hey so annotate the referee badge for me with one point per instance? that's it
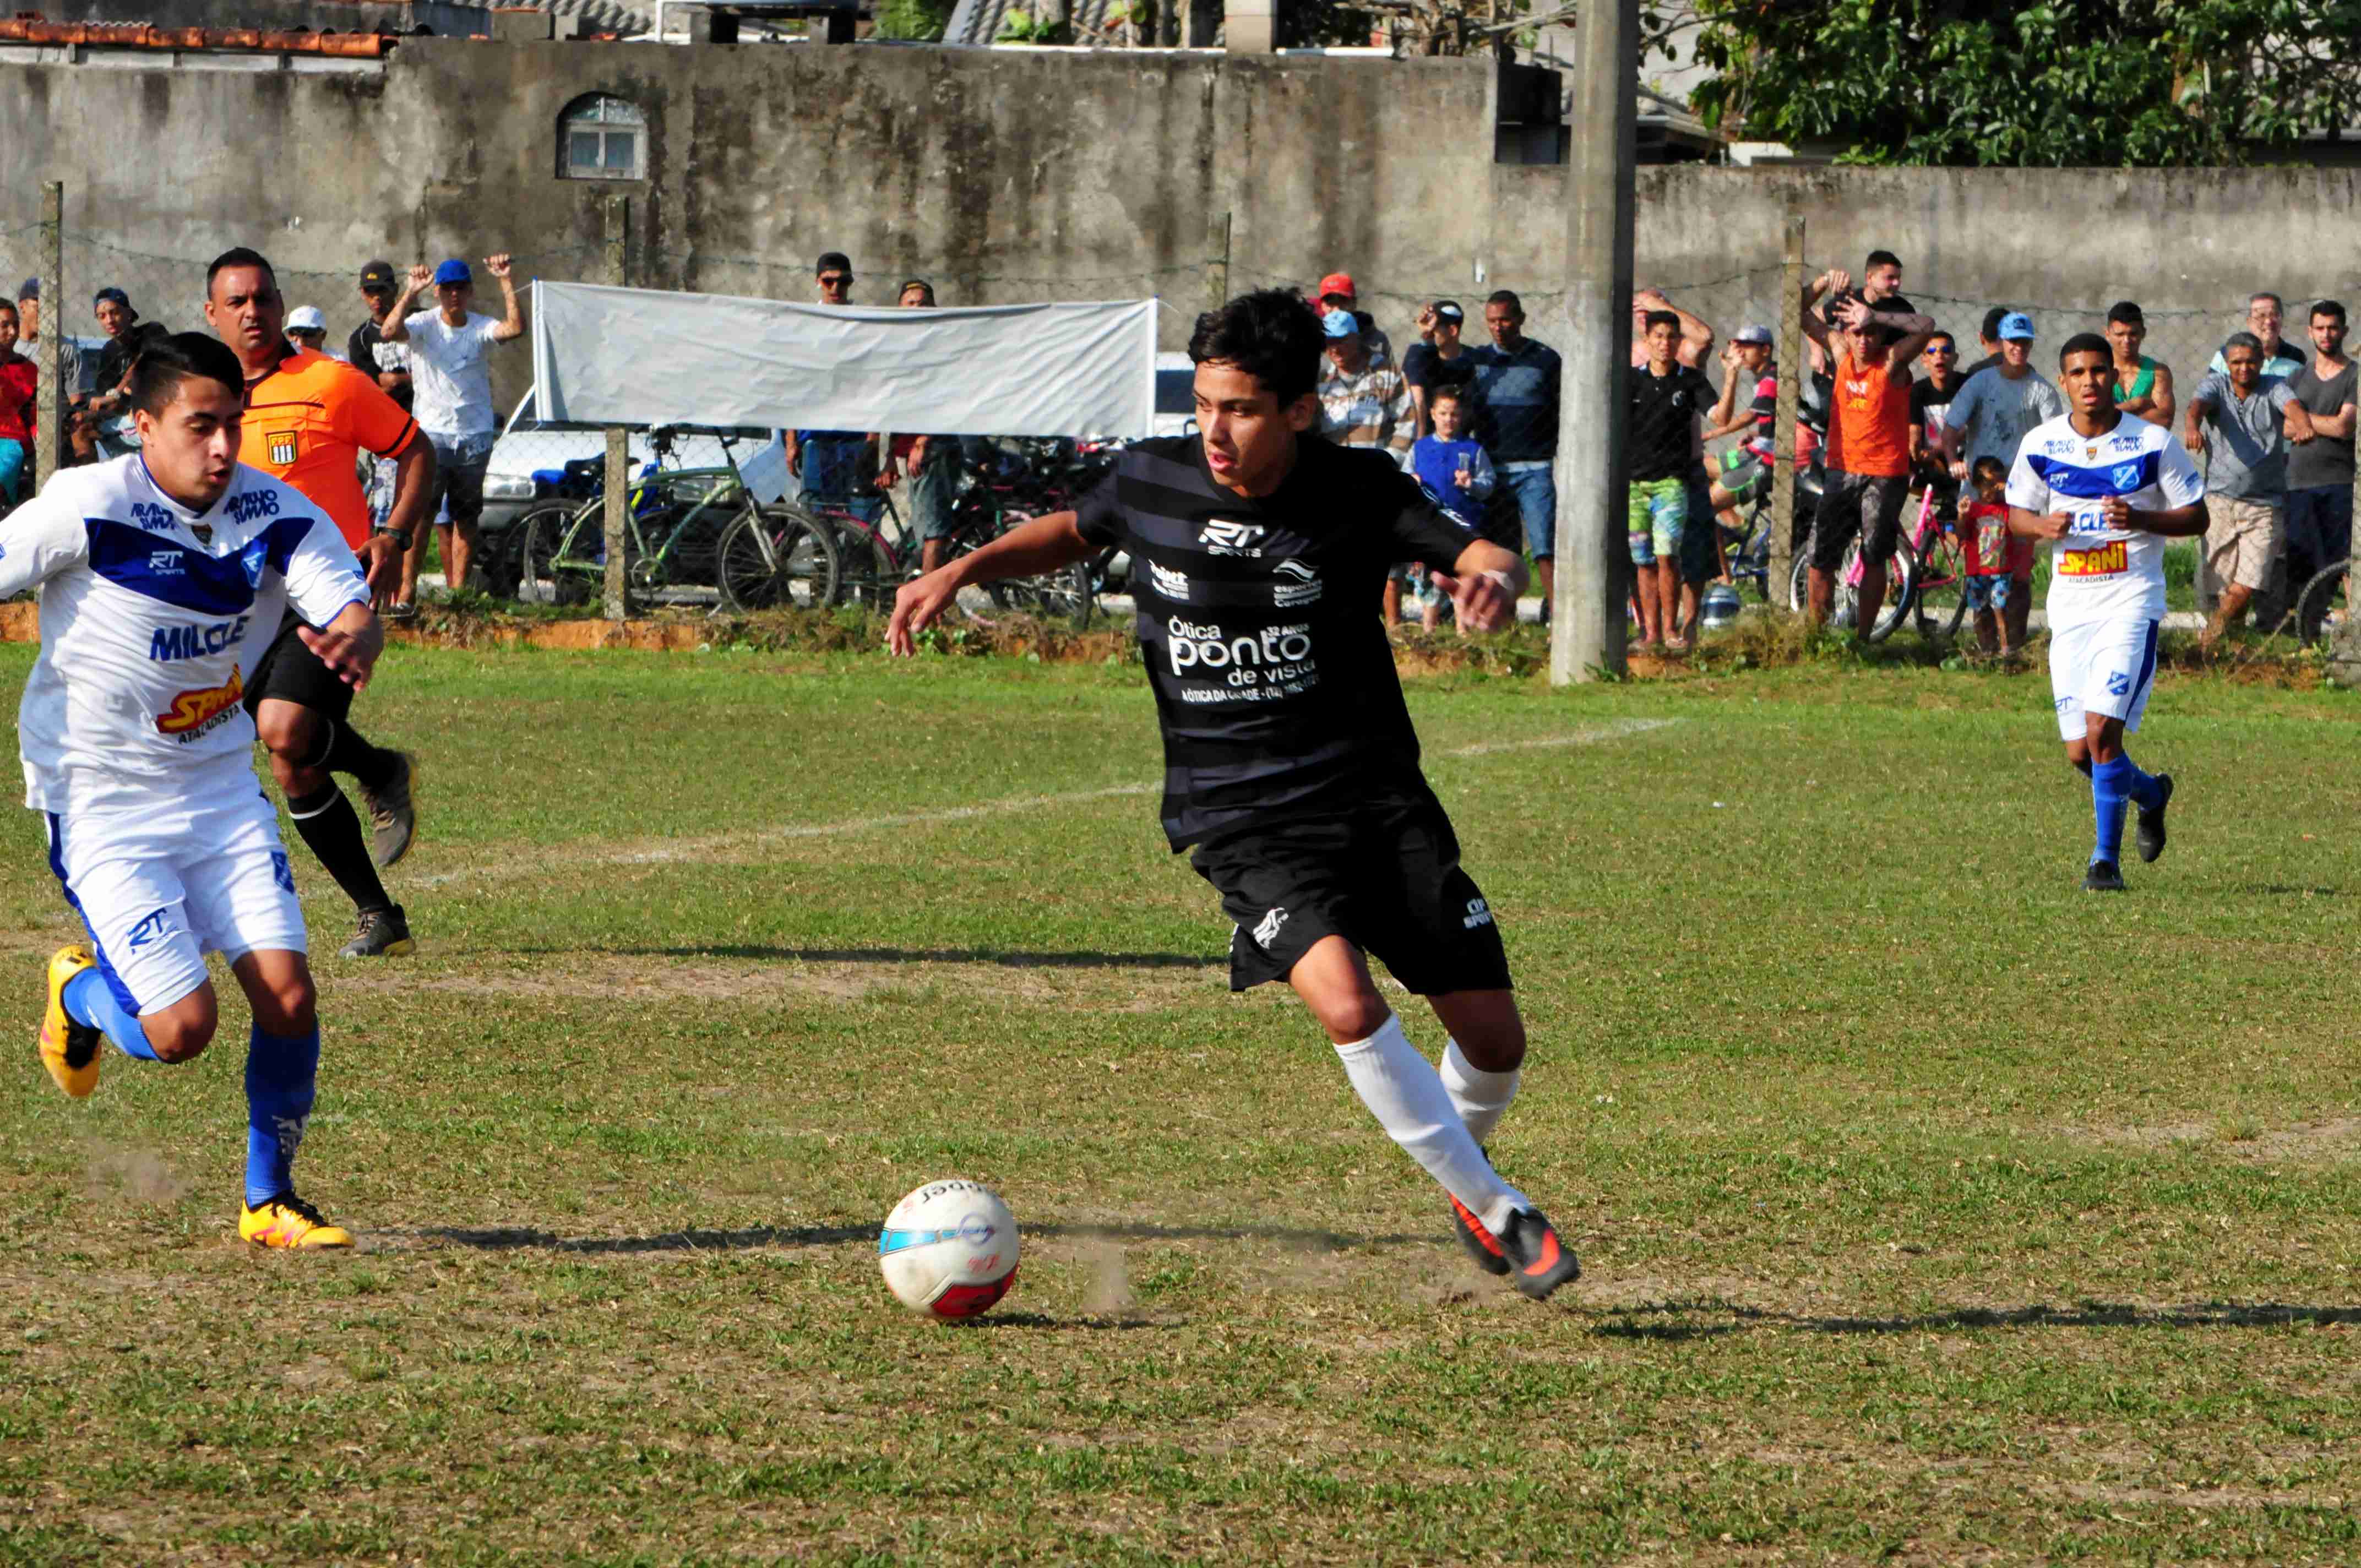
(282, 447)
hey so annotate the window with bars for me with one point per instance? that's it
(603, 137)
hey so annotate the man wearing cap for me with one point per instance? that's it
(1990, 417)
(1745, 469)
(1436, 360)
(452, 388)
(101, 423)
(1336, 293)
(307, 328)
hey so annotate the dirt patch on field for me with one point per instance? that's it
(2337, 1138)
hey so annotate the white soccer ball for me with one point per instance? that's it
(949, 1249)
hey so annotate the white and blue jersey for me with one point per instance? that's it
(2098, 572)
(152, 617)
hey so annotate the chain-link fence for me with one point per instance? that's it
(19, 373)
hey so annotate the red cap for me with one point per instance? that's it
(1338, 283)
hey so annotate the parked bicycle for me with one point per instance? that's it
(1903, 578)
(675, 523)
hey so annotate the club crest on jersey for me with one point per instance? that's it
(193, 713)
(282, 447)
(2125, 475)
(251, 558)
(203, 531)
(1223, 537)
(1172, 585)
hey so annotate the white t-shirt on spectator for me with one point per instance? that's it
(452, 387)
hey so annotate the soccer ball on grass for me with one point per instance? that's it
(949, 1250)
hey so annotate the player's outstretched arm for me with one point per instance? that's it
(1484, 585)
(350, 644)
(1044, 544)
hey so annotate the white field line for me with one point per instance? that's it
(700, 849)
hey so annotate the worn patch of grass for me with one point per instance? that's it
(1933, 1212)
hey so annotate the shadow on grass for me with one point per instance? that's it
(1002, 957)
(1679, 1320)
(519, 1239)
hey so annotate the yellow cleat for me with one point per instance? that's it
(288, 1221)
(68, 1049)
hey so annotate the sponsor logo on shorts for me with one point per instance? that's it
(1223, 537)
(1172, 585)
(1478, 914)
(193, 713)
(154, 927)
(1266, 933)
(282, 872)
(196, 640)
(2105, 561)
(282, 447)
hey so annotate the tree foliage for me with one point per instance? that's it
(2043, 83)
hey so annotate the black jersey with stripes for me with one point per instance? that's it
(1259, 626)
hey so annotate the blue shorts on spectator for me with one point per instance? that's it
(1531, 488)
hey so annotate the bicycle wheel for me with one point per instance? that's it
(774, 561)
(867, 573)
(1063, 594)
(809, 562)
(1799, 579)
(1941, 600)
(547, 572)
(2316, 616)
(1901, 587)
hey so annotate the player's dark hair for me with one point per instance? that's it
(238, 255)
(2125, 311)
(2260, 295)
(1992, 318)
(1271, 334)
(2241, 340)
(2333, 309)
(1880, 259)
(1988, 465)
(1655, 319)
(166, 362)
(1507, 297)
(10, 306)
(2085, 342)
(1939, 335)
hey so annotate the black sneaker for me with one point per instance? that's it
(384, 933)
(2150, 829)
(1540, 1265)
(392, 818)
(2103, 877)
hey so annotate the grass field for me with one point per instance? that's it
(1933, 1211)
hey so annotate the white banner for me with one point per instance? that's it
(608, 356)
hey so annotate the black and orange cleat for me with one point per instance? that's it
(1537, 1264)
(1481, 1244)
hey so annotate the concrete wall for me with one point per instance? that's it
(316, 15)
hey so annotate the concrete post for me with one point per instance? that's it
(2344, 648)
(1791, 354)
(48, 437)
(1587, 628)
(618, 486)
(1250, 26)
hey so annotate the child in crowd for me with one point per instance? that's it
(20, 391)
(1456, 471)
(1984, 541)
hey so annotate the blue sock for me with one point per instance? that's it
(2142, 787)
(281, 1071)
(90, 999)
(2110, 798)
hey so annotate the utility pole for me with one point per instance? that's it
(1588, 625)
(618, 491)
(1217, 263)
(1782, 422)
(49, 437)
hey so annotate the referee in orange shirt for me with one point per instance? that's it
(308, 419)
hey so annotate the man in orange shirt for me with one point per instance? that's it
(1869, 439)
(308, 418)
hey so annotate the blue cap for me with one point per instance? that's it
(453, 271)
(1340, 323)
(2016, 324)
(118, 295)
(29, 290)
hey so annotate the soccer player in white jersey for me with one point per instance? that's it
(2106, 490)
(163, 576)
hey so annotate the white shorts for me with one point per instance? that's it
(160, 889)
(2102, 666)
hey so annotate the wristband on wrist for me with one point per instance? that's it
(401, 537)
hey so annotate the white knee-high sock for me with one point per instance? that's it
(1403, 1092)
(1480, 1097)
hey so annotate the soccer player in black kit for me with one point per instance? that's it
(1291, 770)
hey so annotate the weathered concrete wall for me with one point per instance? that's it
(450, 20)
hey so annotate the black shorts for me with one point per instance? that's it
(1387, 880)
(1866, 504)
(292, 672)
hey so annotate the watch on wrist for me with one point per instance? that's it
(401, 537)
